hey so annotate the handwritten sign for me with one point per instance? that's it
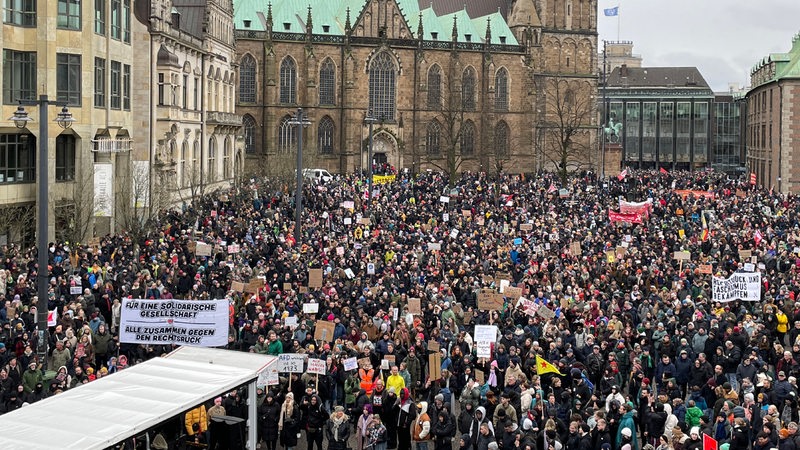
(682, 256)
(705, 268)
(414, 306)
(202, 249)
(433, 346)
(254, 285)
(351, 363)
(545, 313)
(323, 330)
(485, 333)
(526, 227)
(291, 362)
(310, 308)
(739, 286)
(745, 254)
(490, 300)
(512, 292)
(315, 278)
(316, 365)
(237, 286)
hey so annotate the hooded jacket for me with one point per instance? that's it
(422, 426)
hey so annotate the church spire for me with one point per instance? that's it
(420, 29)
(488, 30)
(454, 34)
(269, 16)
(347, 25)
(309, 22)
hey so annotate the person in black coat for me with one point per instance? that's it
(315, 416)
(600, 435)
(289, 423)
(337, 430)
(268, 414)
(443, 431)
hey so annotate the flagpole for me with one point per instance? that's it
(618, 19)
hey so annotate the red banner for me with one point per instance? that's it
(642, 208)
(753, 178)
(709, 443)
(619, 217)
(685, 193)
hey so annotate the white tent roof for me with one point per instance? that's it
(106, 411)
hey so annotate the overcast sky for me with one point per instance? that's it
(722, 38)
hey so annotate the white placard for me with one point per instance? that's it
(103, 190)
(75, 290)
(349, 272)
(201, 323)
(348, 221)
(348, 204)
(370, 268)
(310, 308)
(749, 267)
(453, 234)
(52, 318)
(485, 333)
(384, 364)
(434, 246)
(503, 285)
(741, 286)
(351, 363)
(291, 362)
(483, 349)
(316, 365)
(444, 199)
(446, 217)
(291, 322)
(233, 249)
(340, 251)
(268, 377)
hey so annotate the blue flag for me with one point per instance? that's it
(611, 11)
(589, 384)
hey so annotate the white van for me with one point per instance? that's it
(318, 175)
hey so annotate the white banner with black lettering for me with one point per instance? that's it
(739, 286)
(200, 323)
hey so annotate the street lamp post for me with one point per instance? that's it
(21, 120)
(370, 120)
(300, 121)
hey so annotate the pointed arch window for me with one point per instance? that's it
(212, 159)
(467, 138)
(435, 87)
(183, 170)
(226, 159)
(325, 136)
(327, 83)
(468, 89)
(247, 79)
(501, 138)
(288, 88)
(287, 136)
(433, 137)
(249, 125)
(382, 87)
(501, 90)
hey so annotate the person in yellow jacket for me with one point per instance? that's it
(783, 324)
(197, 423)
(395, 380)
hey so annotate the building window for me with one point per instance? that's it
(19, 76)
(19, 12)
(126, 21)
(501, 135)
(68, 78)
(100, 17)
(382, 87)
(65, 157)
(631, 130)
(683, 119)
(467, 138)
(249, 125)
(432, 136)
(501, 90)
(196, 93)
(288, 88)
(194, 177)
(327, 83)
(325, 136)
(116, 85)
(247, 79)
(184, 175)
(69, 14)
(185, 92)
(287, 136)
(212, 159)
(435, 87)
(468, 89)
(126, 87)
(17, 158)
(116, 19)
(226, 159)
(99, 83)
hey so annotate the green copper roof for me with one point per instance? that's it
(787, 65)
(290, 16)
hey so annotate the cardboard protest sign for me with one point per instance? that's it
(433, 346)
(303, 289)
(414, 306)
(287, 286)
(466, 213)
(435, 366)
(479, 376)
(745, 254)
(682, 256)
(254, 285)
(364, 362)
(365, 221)
(705, 268)
(526, 227)
(575, 248)
(490, 300)
(512, 292)
(237, 286)
(203, 249)
(315, 278)
(545, 313)
(323, 330)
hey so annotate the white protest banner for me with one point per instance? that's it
(52, 318)
(290, 322)
(739, 286)
(310, 308)
(348, 204)
(370, 268)
(103, 189)
(291, 362)
(351, 363)
(75, 290)
(434, 246)
(444, 199)
(233, 249)
(268, 377)
(485, 333)
(316, 365)
(202, 323)
(483, 349)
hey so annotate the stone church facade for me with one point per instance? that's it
(464, 88)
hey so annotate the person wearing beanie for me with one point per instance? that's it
(337, 429)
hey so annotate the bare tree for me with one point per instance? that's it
(15, 220)
(140, 199)
(74, 216)
(567, 125)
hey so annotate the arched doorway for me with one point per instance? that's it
(384, 150)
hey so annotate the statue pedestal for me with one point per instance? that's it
(613, 159)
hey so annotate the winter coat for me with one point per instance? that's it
(422, 425)
(290, 426)
(337, 430)
(269, 414)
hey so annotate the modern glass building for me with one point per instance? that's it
(726, 129)
(665, 114)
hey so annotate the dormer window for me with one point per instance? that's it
(502, 39)
(468, 37)
(434, 35)
(287, 26)
(247, 23)
(326, 28)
